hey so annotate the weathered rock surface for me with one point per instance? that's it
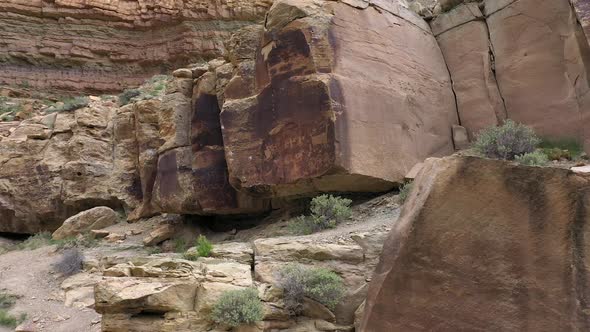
(93, 219)
(463, 38)
(486, 245)
(105, 45)
(542, 73)
(56, 166)
(331, 109)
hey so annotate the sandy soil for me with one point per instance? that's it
(29, 275)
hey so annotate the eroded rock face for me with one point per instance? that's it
(104, 45)
(55, 166)
(479, 244)
(522, 60)
(331, 109)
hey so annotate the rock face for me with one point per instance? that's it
(524, 60)
(93, 219)
(105, 45)
(55, 166)
(479, 245)
(330, 109)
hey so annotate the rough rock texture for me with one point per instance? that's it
(464, 40)
(104, 45)
(55, 166)
(93, 219)
(526, 60)
(167, 294)
(486, 245)
(543, 72)
(331, 109)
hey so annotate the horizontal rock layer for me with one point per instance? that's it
(101, 46)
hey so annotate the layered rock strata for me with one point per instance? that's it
(101, 45)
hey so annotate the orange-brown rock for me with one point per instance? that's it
(541, 62)
(463, 38)
(348, 96)
(109, 45)
(486, 245)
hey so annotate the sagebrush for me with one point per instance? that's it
(238, 307)
(327, 211)
(319, 284)
(507, 141)
(70, 262)
(404, 191)
(537, 158)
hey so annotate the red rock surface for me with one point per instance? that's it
(331, 108)
(102, 45)
(485, 245)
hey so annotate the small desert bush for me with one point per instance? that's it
(9, 320)
(557, 149)
(203, 249)
(85, 240)
(36, 241)
(127, 96)
(7, 301)
(68, 104)
(327, 211)
(238, 307)
(404, 191)
(507, 141)
(70, 262)
(537, 158)
(180, 245)
(319, 284)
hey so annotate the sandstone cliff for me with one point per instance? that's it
(319, 96)
(100, 45)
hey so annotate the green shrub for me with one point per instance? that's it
(127, 95)
(319, 284)
(180, 245)
(327, 211)
(68, 104)
(204, 247)
(506, 141)
(404, 191)
(238, 307)
(7, 301)
(557, 149)
(537, 158)
(36, 241)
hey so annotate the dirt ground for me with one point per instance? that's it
(29, 274)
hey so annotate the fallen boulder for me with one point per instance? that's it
(94, 219)
(486, 245)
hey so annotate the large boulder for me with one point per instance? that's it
(93, 219)
(486, 245)
(348, 96)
